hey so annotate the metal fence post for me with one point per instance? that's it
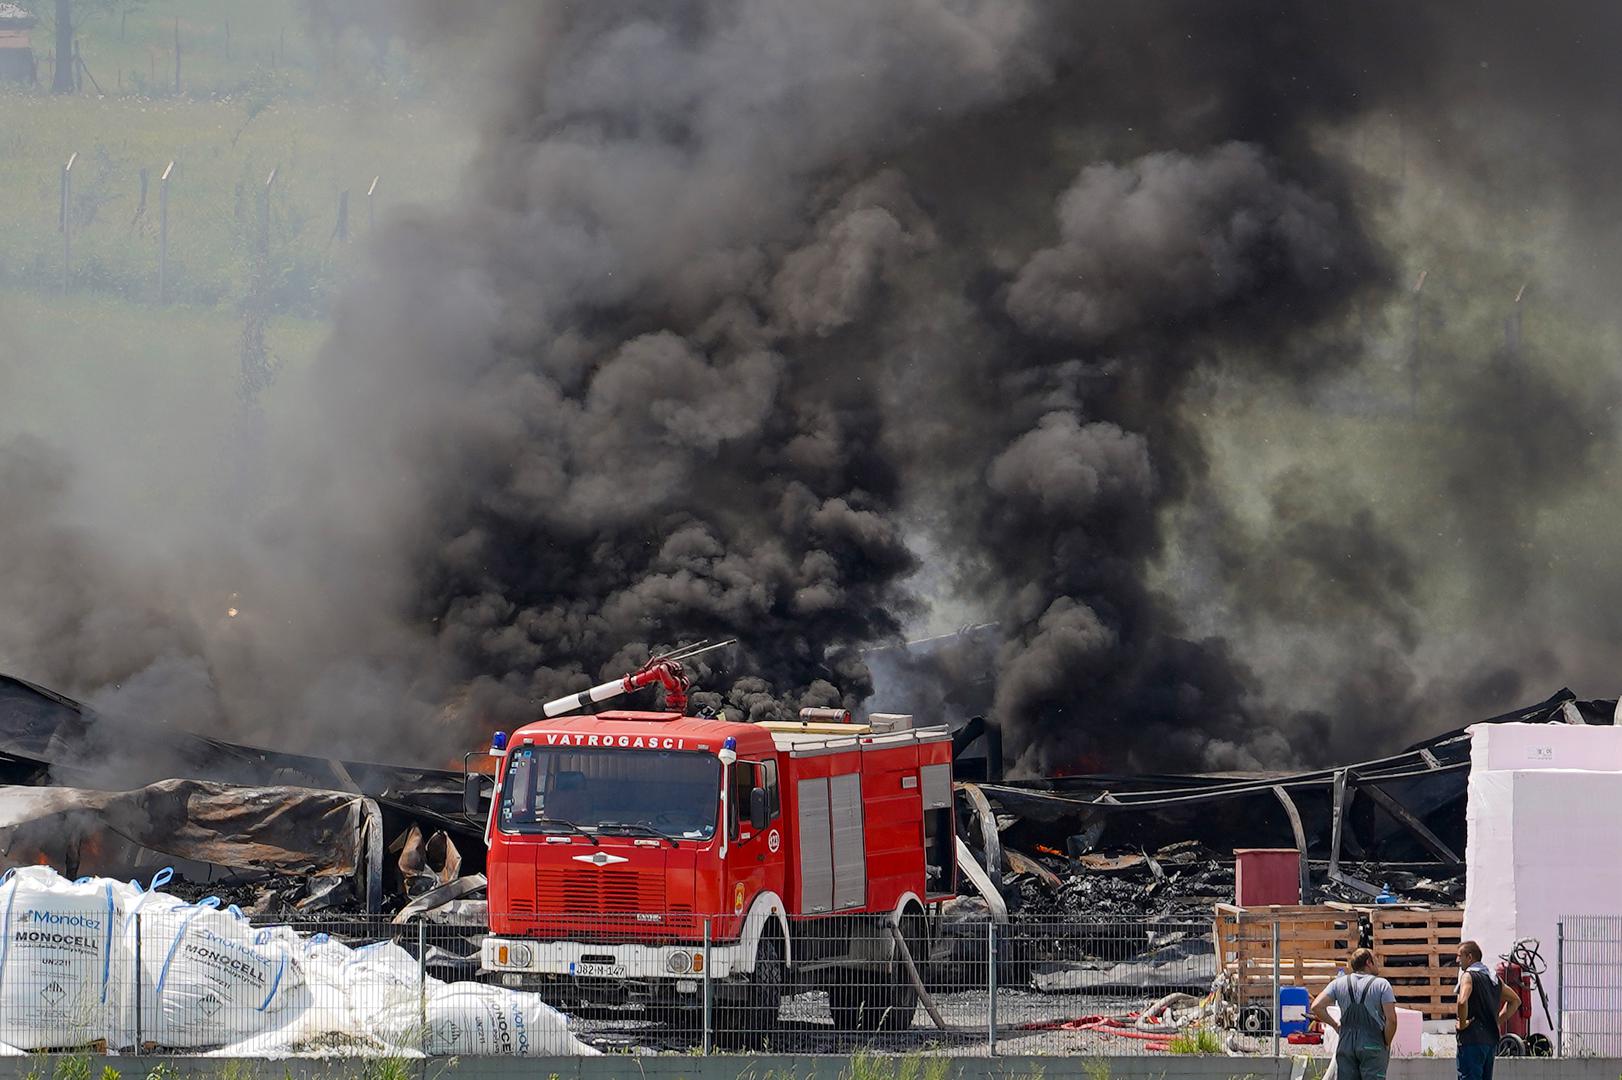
(67, 219)
(422, 984)
(708, 1003)
(138, 1031)
(1275, 988)
(991, 988)
(163, 233)
(264, 215)
(1559, 986)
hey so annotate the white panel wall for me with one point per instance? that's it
(1545, 835)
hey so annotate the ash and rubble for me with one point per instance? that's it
(1177, 882)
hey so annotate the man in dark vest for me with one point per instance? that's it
(1368, 1019)
(1484, 1007)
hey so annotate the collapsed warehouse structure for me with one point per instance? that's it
(1104, 884)
(94, 794)
(268, 830)
(1396, 821)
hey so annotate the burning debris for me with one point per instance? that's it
(1160, 846)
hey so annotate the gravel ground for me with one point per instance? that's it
(807, 1028)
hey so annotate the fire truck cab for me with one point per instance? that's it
(620, 843)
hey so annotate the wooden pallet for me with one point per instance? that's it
(1313, 944)
(1413, 949)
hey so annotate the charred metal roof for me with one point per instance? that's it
(1411, 805)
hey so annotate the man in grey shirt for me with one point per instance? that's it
(1368, 1019)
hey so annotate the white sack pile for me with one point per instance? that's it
(209, 981)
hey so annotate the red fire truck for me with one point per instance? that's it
(618, 841)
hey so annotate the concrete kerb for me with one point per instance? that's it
(780, 1067)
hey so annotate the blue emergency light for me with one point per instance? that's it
(731, 743)
(498, 741)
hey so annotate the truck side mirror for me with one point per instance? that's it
(760, 811)
(472, 794)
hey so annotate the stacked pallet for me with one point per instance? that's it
(1313, 944)
(1413, 948)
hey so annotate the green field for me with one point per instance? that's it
(324, 119)
(219, 176)
(130, 46)
(328, 112)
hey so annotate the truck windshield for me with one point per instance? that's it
(549, 789)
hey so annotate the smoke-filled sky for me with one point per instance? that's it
(823, 324)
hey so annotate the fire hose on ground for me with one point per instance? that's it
(1155, 1026)
(1120, 1026)
(912, 974)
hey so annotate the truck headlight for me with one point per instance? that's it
(678, 963)
(521, 955)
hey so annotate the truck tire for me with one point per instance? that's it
(749, 1019)
(766, 984)
(857, 1000)
(881, 998)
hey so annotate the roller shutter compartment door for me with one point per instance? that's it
(816, 852)
(849, 846)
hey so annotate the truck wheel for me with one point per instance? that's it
(856, 1000)
(766, 984)
(903, 1002)
(749, 1017)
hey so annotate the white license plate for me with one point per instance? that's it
(597, 971)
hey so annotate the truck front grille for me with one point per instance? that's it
(606, 889)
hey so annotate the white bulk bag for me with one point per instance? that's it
(207, 977)
(471, 1018)
(57, 958)
(390, 1000)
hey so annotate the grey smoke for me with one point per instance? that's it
(1171, 237)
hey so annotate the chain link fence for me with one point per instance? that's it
(190, 978)
(1588, 980)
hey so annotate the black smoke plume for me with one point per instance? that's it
(799, 322)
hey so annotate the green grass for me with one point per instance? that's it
(317, 150)
(1196, 1041)
(865, 1066)
(72, 1067)
(387, 1068)
(129, 47)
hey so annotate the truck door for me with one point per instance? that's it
(755, 861)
